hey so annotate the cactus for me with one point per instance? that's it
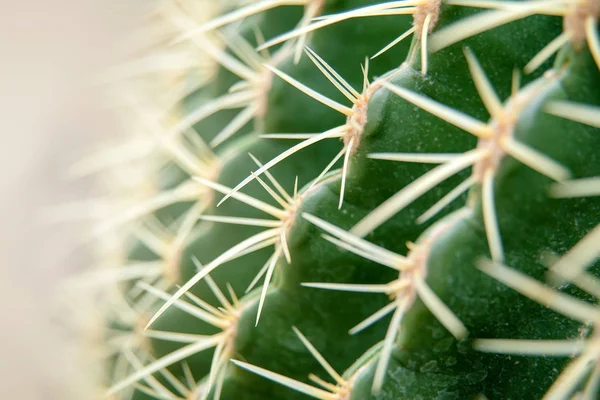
(443, 246)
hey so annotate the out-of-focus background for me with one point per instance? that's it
(52, 113)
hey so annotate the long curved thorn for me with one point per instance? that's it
(414, 190)
(332, 133)
(244, 198)
(226, 256)
(386, 351)
(527, 286)
(347, 111)
(345, 168)
(536, 160)
(558, 348)
(593, 39)
(548, 51)
(373, 318)
(441, 310)
(395, 42)
(398, 7)
(484, 87)
(239, 14)
(490, 217)
(285, 381)
(352, 239)
(340, 83)
(378, 257)
(164, 362)
(571, 376)
(315, 353)
(475, 24)
(268, 276)
(448, 114)
(586, 114)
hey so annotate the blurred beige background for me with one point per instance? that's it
(50, 50)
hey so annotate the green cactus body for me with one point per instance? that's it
(403, 226)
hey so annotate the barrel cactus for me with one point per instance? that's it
(350, 199)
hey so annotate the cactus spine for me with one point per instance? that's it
(444, 246)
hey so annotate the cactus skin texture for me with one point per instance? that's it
(450, 249)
